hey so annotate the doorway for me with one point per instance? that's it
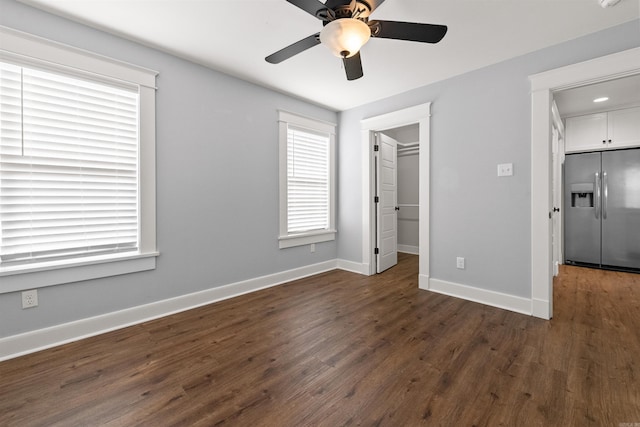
(543, 85)
(420, 116)
(594, 113)
(396, 159)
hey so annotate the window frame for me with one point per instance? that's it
(29, 50)
(286, 239)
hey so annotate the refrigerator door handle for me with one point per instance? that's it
(605, 195)
(597, 184)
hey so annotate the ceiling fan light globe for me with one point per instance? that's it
(344, 37)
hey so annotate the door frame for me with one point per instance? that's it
(543, 85)
(421, 115)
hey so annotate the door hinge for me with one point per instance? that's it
(376, 148)
(376, 251)
(376, 199)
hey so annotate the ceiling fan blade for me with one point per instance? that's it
(425, 33)
(310, 6)
(294, 49)
(353, 67)
(333, 4)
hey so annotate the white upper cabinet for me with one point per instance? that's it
(624, 128)
(603, 131)
(584, 133)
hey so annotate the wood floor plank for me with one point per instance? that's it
(341, 349)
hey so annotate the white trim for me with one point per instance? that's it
(409, 249)
(542, 86)
(423, 281)
(557, 120)
(66, 58)
(307, 122)
(354, 267)
(541, 200)
(418, 114)
(306, 238)
(54, 273)
(540, 308)
(596, 70)
(147, 170)
(29, 342)
(483, 296)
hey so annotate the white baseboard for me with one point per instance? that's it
(540, 308)
(29, 342)
(483, 296)
(409, 249)
(354, 267)
(423, 281)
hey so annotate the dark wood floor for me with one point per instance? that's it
(340, 349)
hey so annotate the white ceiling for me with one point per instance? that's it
(622, 92)
(234, 36)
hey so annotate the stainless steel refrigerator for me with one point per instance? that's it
(602, 209)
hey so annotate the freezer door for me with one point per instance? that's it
(582, 198)
(621, 208)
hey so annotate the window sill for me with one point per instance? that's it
(306, 238)
(32, 276)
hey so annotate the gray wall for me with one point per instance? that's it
(217, 183)
(479, 119)
(408, 216)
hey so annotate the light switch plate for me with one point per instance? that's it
(505, 169)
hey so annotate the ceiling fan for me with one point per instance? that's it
(346, 28)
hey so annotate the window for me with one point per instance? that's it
(68, 167)
(77, 174)
(307, 180)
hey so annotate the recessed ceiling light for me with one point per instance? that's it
(604, 98)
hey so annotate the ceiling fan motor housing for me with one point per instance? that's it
(337, 10)
(345, 36)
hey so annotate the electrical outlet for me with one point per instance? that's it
(30, 298)
(460, 263)
(505, 169)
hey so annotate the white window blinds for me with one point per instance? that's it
(307, 180)
(68, 166)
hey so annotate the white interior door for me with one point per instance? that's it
(386, 207)
(554, 186)
(560, 192)
(557, 157)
